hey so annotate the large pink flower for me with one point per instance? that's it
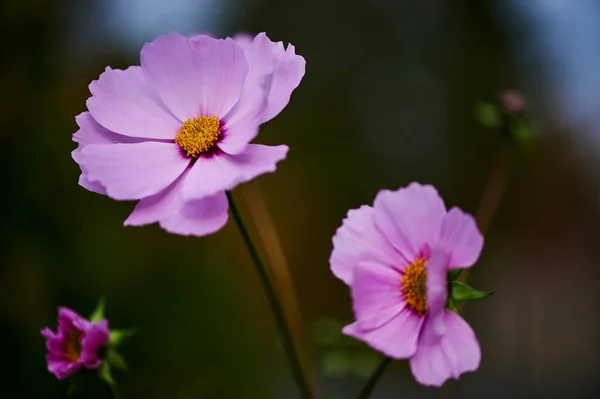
(395, 257)
(75, 344)
(174, 132)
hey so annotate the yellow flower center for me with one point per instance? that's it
(198, 135)
(73, 346)
(413, 285)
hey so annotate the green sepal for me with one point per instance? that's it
(451, 306)
(488, 115)
(460, 292)
(105, 374)
(454, 274)
(117, 337)
(98, 313)
(115, 359)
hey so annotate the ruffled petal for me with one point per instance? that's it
(133, 171)
(201, 76)
(461, 238)
(222, 172)
(397, 338)
(376, 294)
(437, 289)
(55, 342)
(438, 359)
(96, 337)
(61, 367)
(177, 216)
(359, 240)
(411, 218)
(123, 102)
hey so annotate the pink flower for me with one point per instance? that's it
(174, 133)
(75, 344)
(394, 256)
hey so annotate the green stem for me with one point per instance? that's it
(284, 329)
(372, 381)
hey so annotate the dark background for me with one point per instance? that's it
(387, 99)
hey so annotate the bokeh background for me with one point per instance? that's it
(387, 99)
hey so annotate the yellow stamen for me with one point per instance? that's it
(73, 346)
(413, 286)
(198, 135)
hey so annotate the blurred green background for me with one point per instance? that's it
(387, 99)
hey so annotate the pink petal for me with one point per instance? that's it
(411, 218)
(123, 102)
(289, 71)
(437, 289)
(376, 294)
(456, 352)
(197, 76)
(90, 132)
(461, 238)
(61, 367)
(55, 342)
(96, 337)
(133, 171)
(223, 172)
(359, 240)
(397, 338)
(175, 215)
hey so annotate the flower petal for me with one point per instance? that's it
(461, 238)
(175, 215)
(201, 76)
(376, 294)
(55, 342)
(397, 338)
(359, 240)
(289, 70)
(223, 172)
(61, 367)
(411, 218)
(455, 353)
(437, 289)
(133, 171)
(123, 102)
(96, 337)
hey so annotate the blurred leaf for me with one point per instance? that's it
(460, 292)
(326, 331)
(364, 363)
(454, 274)
(336, 363)
(522, 132)
(105, 374)
(115, 359)
(488, 115)
(98, 313)
(117, 337)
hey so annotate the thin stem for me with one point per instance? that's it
(280, 320)
(372, 381)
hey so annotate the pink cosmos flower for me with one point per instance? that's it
(394, 256)
(75, 344)
(174, 133)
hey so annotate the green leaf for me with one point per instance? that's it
(98, 313)
(451, 305)
(117, 337)
(488, 115)
(460, 292)
(454, 274)
(336, 363)
(521, 132)
(115, 359)
(105, 375)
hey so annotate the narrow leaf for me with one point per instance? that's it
(117, 337)
(464, 293)
(98, 313)
(115, 359)
(454, 274)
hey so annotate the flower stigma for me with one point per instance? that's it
(413, 286)
(73, 345)
(198, 135)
